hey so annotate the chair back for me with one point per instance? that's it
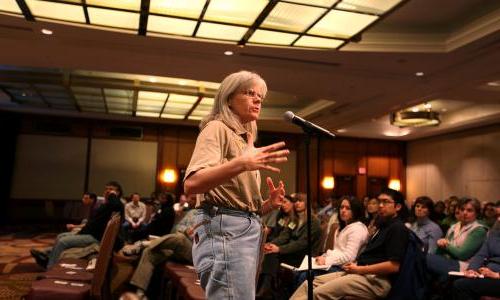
(100, 287)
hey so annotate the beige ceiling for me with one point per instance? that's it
(456, 45)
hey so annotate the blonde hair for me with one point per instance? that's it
(221, 111)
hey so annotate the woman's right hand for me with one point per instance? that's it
(320, 260)
(260, 158)
(442, 243)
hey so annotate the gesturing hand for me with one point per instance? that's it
(260, 158)
(276, 194)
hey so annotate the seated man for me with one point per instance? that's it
(176, 245)
(90, 205)
(369, 277)
(92, 231)
(135, 214)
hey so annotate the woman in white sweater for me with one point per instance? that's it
(350, 238)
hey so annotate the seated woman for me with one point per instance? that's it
(350, 237)
(290, 246)
(462, 241)
(427, 230)
(371, 215)
(482, 275)
(276, 222)
(450, 219)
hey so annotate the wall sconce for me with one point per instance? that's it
(395, 184)
(328, 183)
(168, 176)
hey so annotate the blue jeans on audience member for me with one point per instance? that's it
(439, 266)
(225, 253)
(69, 241)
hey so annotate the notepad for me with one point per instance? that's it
(454, 273)
(303, 266)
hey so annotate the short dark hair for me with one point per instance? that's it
(91, 196)
(395, 195)
(474, 202)
(117, 186)
(425, 201)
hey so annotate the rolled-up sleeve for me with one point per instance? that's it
(209, 148)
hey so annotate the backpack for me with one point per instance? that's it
(411, 282)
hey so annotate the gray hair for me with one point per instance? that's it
(221, 111)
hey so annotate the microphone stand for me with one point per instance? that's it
(307, 141)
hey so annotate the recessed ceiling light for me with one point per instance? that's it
(444, 110)
(152, 79)
(427, 106)
(182, 82)
(228, 53)
(23, 94)
(341, 130)
(419, 74)
(47, 31)
(494, 83)
(415, 109)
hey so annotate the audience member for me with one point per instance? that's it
(135, 215)
(348, 239)
(90, 233)
(439, 211)
(461, 242)
(421, 223)
(489, 215)
(450, 218)
(89, 207)
(279, 219)
(369, 277)
(176, 246)
(482, 277)
(371, 213)
(164, 217)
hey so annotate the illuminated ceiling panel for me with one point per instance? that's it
(221, 32)
(272, 37)
(122, 4)
(342, 24)
(324, 3)
(183, 8)
(10, 6)
(171, 25)
(147, 114)
(173, 116)
(316, 42)
(58, 11)
(151, 101)
(242, 12)
(292, 17)
(368, 6)
(113, 18)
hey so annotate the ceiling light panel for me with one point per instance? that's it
(173, 116)
(242, 12)
(147, 114)
(196, 118)
(92, 109)
(342, 24)
(292, 17)
(120, 112)
(10, 6)
(323, 3)
(221, 32)
(119, 93)
(368, 6)
(171, 25)
(183, 8)
(58, 11)
(86, 90)
(92, 98)
(316, 42)
(122, 4)
(113, 18)
(272, 37)
(151, 101)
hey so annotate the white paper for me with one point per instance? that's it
(303, 266)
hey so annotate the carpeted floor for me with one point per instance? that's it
(17, 268)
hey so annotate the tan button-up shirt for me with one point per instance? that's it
(216, 144)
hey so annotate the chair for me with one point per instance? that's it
(65, 286)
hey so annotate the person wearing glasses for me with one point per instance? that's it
(378, 264)
(224, 172)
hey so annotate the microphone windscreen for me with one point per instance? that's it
(288, 116)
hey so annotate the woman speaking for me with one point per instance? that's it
(224, 172)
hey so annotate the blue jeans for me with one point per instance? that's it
(69, 241)
(225, 253)
(439, 266)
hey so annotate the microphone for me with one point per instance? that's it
(307, 126)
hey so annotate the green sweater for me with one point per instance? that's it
(470, 246)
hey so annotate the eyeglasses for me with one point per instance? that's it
(253, 94)
(384, 201)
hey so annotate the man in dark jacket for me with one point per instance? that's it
(92, 231)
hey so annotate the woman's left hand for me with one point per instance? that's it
(352, 268)
(276, 194)
(488, 273)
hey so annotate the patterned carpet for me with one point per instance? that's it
(17, 268)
